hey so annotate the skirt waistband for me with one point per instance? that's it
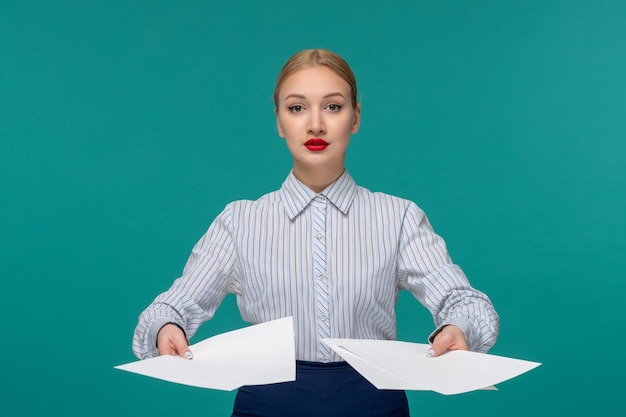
(308, 365)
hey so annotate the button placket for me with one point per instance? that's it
(319, 264)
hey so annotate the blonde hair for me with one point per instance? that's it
(311, 58)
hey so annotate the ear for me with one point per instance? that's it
(357, 118)
(281, 131)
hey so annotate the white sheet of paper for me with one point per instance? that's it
(402, 365)
(259, 354)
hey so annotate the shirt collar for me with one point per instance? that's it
(296, 196)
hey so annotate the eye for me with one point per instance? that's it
(334, 107)
(296, 108)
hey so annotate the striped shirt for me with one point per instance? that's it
(335, 261)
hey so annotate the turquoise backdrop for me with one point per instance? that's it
(126, 126)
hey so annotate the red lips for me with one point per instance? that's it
(316, 144)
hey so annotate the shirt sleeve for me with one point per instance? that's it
(208, 276)
(426, 270)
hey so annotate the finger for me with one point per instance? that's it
(182, 348)
(440, 344)
(438, 348)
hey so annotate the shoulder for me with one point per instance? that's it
(265, 202)
(380, 199)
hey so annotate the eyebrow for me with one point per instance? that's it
(300, 96)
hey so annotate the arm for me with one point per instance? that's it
(194, 297)
(458, 309)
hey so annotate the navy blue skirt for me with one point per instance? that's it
(328, 390)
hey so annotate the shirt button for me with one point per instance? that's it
(325, 360)
(319, 235)
(321, 277)
(323, 317)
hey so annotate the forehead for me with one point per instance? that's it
(312, 81)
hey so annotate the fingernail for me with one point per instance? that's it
(430, 353)
(188, 355)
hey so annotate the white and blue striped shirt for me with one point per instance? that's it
(335, 261)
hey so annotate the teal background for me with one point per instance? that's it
(126, 126)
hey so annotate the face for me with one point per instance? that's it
(315, 116)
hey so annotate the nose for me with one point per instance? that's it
(316, 124)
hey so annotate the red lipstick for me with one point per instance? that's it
(316, 144)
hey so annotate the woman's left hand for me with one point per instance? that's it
(449, 338)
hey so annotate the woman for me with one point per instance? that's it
(321, 249)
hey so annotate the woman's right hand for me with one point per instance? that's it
(171, 340)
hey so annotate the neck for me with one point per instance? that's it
(316, 179)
